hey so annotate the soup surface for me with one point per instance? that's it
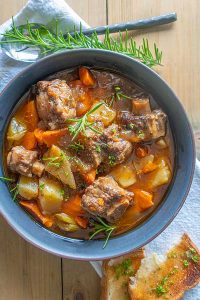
(89, 154)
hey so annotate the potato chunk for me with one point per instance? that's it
(124, 174)
(161, 144)
(50, 195)
(104, 113)
(160, 176)
(28, 187)
(57, 164)
(16, 130)
(66, 223)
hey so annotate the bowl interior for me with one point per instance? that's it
(184, 155)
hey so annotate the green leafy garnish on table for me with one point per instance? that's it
(102, 227)
(41, 36)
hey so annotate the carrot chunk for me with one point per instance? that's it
(72, 206)
(84, 104)
(33, 208)
(141, 151)
(90, 176)
(143, 199)
(49, 137)
(29, 141)
(39, 135)
(31, 115)
(149, 167)
(82, 222)
(86, 77)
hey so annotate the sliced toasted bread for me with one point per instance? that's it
(170, 279)
(116, 273)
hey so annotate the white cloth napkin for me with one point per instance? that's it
(188, 219)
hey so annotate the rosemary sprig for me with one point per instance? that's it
(15, 192)
(101, 226)
(6, 179)
(83, 123)
(40, 36)
(117, 95)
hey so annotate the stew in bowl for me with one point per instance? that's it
(89, 154)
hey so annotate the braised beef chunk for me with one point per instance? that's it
(141, 106)
(106, 199)
(24, 162)
(55, 103)
(114, 149)
(145, 127)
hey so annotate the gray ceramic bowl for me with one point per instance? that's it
(184, 155)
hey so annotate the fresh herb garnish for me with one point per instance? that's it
(117, 95)
(98, 148)
(83, 123)
(185, 263)
(15, 192)
(40, 36)
(62, 192)
(161, 287)
(111, 160)
(160, 290)
(124, 268)
(55, 161)
(140, 134)
(191, 254)
(6, 179)
(102, 227)
(132, 126)
(77, 146)
(41, 186)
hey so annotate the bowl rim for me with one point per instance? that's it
(38, 243)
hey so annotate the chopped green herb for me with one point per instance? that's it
(192, 250)
(62, 192)
(111, 160)
(195, 259)
(124, 268)
(41, 186)
(98, 148)
(132, 126)
(77, 146)
(114, 131)
(116, 95)
(185, 263)
(140, 134)
(190, 255)
(160, 290)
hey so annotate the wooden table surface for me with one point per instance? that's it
(28, 273)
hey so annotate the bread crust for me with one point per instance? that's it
(110, 285)
(187, 275)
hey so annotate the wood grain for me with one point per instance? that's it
(180, 44)
(80, 281)
(26, 272)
